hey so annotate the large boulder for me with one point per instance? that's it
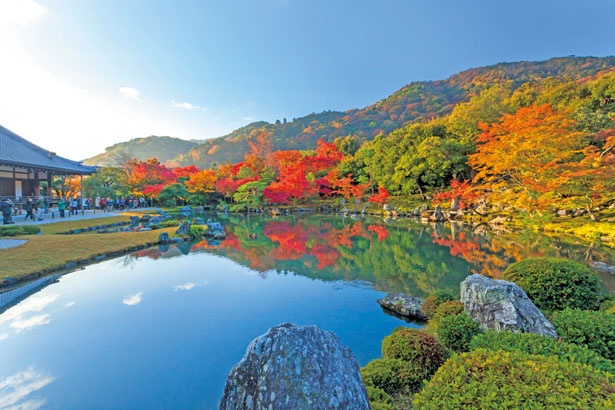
(295, 367)
(501, 305)
(404, 305)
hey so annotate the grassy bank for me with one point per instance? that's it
(43, 254)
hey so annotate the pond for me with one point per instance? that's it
(162, 327)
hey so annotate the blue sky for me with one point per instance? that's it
(79, 75)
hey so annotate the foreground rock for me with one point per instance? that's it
(295, 367)
(501, 305)
(404, 305)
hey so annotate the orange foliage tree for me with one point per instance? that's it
(520, 158)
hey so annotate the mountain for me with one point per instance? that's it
(415, 102)
(163, 148)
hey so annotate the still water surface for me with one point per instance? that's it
(161, 328)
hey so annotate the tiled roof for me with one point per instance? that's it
(14, 150)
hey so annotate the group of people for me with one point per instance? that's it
(37, 208)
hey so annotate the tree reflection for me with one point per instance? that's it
(398, 256)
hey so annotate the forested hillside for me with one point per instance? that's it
(417, 102)
(163, 148)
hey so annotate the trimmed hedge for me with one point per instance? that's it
(450, 308)
(379, 399)
(596, 330)
(456, 332)
(556, 284)
(392, 376)
(19, 230)
(414, 346)
(433, 301)
(531, 343)
(488, 379)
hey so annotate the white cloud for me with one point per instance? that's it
(19, 315)
(20, 12)
(15, 389)
(130, 92)
(189, 286)
(185, 286)
(187, 106)
(248, 118)
(69, 304)
(133, 299)
(21, 325)
(4, 336)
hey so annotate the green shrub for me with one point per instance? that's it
(531, 343)
(379, 399)
(169, 223)
(450, 308)
(596, 330)
(485, 379)
(196, 231)
(456, 332)
(19, 230)
(556, 284)
(391, 375)
(434, 300)
(416, 347)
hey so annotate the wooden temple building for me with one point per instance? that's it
(23, 165)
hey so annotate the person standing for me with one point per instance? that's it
(40, 207)
(7, 211)
(62, 207)
(29, 207)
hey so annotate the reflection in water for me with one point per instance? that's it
(15, 389)
(391, 255)
(27, 314)
(133, 299)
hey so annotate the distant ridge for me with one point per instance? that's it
(415, 102)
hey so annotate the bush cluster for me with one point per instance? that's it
(410, 357)
(488, 379)
(556, 284)
(391, 375)
(196, 231)
(414, 346)
(531, 343)
(456, 331)
(431, 303)
(19, 230)
(596, 330)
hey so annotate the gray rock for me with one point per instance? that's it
(404, 305)
(438, 216)
(387, 207)
(183, 228)
(295, 367)
(602, 267)
(164, 238)
(455, 204)
(501, 305)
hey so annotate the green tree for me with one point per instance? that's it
(172, 193)
(106, 182)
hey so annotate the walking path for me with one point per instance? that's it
(53, 216)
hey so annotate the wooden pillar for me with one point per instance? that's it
(49, 191)
(37, 184)
(81, 189)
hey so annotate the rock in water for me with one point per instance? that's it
(404, 305)
(295, 367)
(183, 228)
(501, 305)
